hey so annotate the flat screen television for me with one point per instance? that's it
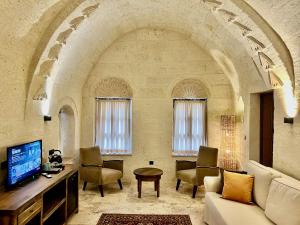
(23, 162)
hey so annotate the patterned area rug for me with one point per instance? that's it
(139, 219)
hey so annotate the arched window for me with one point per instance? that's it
(189, 117)
(113, 126)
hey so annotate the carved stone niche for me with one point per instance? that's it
(63, 36)
(113, 87)
(274, 80)
(265, 61)
(190, 88)
(255, 44)
(245, 30)
(46, 68)
(75, 23)
(89, 10)
(227, 15)
(54, 51)
(41, 93)
(213, 4)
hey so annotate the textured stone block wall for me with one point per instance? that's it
(152, 62)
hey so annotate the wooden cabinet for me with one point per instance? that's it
(30, 213)
(43, 201)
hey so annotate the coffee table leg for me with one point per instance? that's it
(139, 188)
(155, 185)
(158, 187)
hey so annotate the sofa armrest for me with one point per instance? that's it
(113, 164)
(185, 165)
(212, 184)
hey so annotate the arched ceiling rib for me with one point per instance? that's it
(264, 44)
(94, 33)
(61, 9)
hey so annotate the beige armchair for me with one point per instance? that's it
(194, 172)
(94, 170)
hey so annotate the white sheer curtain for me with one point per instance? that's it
(113, 126)
(189, 130)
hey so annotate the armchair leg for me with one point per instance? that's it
(120, 184)
(84, 185)
(195, 191)
(101, 190)
(178, 183)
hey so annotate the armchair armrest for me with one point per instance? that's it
(203, 171)
(212, 184)
(113, 164)
(210, 167)
(86, 165)
(91, 173)
(185, 165)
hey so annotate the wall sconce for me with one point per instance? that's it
(47, 118)
(289, 120)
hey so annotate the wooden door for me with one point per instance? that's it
(266, 128)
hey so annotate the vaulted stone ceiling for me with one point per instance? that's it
(40, 23)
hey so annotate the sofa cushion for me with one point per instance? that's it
(283, 203)
(220, 190)
(219, 211)
(262, 181)
(187, 175)
(238, 187)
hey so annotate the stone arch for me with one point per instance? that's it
(190, 88)
(63, 68)
(68, 101)
(67, 131)
(67, 109)
(113, 87)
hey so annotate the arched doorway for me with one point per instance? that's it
(67, 132)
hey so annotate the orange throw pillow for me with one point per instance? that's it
(238, 187)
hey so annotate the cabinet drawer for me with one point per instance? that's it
(30, 212)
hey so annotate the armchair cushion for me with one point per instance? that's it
(187, 175)
(110, 175)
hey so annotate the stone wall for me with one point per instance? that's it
(286, 155)
(152, 62)
(27, 27)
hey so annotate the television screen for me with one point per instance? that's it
(23, 161)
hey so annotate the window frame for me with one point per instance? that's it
(174, 154)
(131, 131)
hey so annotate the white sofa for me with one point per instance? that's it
(276, 199)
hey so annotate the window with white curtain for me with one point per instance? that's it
(113, 125)
(189, 128)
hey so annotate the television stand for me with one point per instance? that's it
(42, 201)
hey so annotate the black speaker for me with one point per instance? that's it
(47, 118)
(288, 120)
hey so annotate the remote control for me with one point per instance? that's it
(46, 175)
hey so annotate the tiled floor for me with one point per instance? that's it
(91, 205)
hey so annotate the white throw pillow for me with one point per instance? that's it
(262, 181)
(283, 203)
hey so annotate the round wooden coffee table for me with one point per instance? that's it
(148, 174)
